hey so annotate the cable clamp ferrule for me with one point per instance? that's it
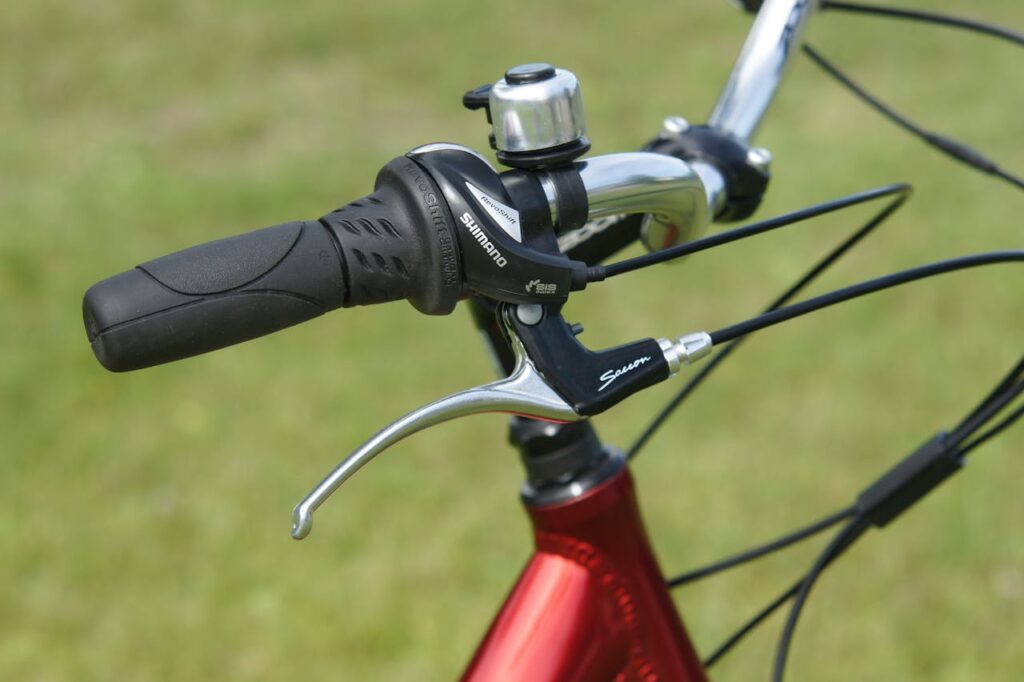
(685, 350)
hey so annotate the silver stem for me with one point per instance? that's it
(761, 65)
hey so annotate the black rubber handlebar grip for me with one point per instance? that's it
(395, 243)
(214, 295)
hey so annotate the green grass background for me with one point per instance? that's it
(144, 517)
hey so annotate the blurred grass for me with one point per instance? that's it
(145, 516)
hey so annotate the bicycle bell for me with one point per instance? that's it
(537, 121)
(536, 116)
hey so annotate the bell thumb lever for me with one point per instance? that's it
(523, 392)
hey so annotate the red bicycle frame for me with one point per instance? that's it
(591, 603)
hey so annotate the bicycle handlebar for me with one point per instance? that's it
(401, 242)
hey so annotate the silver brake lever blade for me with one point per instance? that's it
(523, 392)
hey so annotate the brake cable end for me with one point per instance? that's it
(685, 350)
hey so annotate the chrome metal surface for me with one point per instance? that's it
(668, 349)
(665, 188)
(571, 240)
(540, 115)
(760, 158)
(714, 185)
(685, 350)
(523, 392)
(551, 194)
(773, 38)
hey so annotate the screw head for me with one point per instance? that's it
(674, 125)
(529, 313)
(760, 158)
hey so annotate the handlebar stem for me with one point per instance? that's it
(761, 66)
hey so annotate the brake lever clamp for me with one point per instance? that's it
(555, 378)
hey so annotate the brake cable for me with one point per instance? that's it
(926, 475)
(991, 30)
(878, 505)
(899, 488)
(897, 491)
(598, 273)
(903, 194)
(954, 148)
(951, 147)
(740, 329)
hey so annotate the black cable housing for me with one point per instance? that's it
(598, 273)
(888, 497)
(775, 545)
(843, 540)
(811, 305)
(902, 194)
(972, 25)
(899, 489)
(953, 148)
(765, 613)
(916, 475)
(1016, 373)
(999, 398)
(1006, 423)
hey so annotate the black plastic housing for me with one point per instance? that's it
(500, 260)
(590, 381)
(906, 483)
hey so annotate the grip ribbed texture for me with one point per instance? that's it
(378, 249)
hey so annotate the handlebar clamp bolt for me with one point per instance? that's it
(760, 158)
(674, 125)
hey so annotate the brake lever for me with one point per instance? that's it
(555, 378)
(523, 392)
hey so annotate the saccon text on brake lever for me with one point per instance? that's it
(523, 392)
